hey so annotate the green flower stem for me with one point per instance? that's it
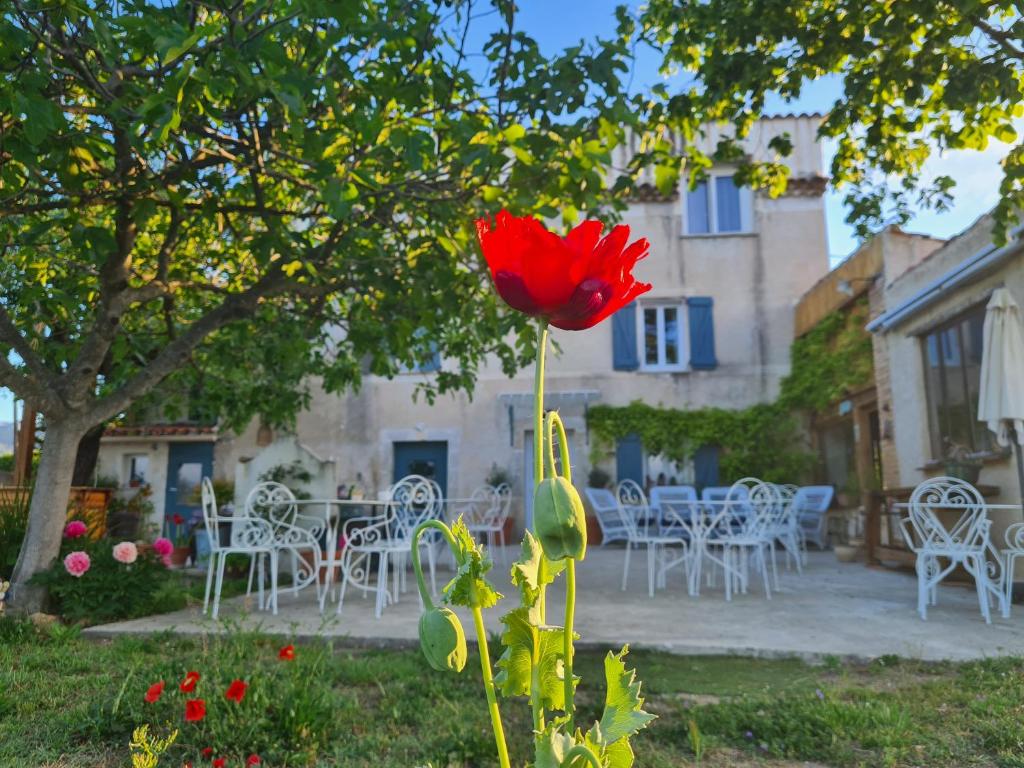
(417, 568)
(555, 421)
(538, 433)
(535, 703)
(492, 699)
(581, 750)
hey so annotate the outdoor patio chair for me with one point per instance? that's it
(747, 536)
(786, 527)
(252, 536)
(606, 510)
(486, 513)
(811, 503)
(642, 530)
(1014, 537)
(295, 535)
(965, 542)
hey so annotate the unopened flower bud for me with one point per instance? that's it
(442, 640)
(559, 519)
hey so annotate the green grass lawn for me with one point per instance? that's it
(66, 701)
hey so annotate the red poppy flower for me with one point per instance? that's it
(178, 519)
(287, 653)
(207, 751)
(189, 683)
(253, 760)
(154, 692)
(236, 691)
(574, 282)
(218, 762)
(195, 710)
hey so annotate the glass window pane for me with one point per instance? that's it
(933, 386)
(651, 336)
(190, 474)
(697, 218)
(671, 336)
(138, 470)
(956, 406)
(727, 204)
(972, 338)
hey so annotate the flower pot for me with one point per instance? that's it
(594, 536)
(179, 556)
(964, 470)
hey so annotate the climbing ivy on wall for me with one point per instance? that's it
(830, 360)
(763, 440)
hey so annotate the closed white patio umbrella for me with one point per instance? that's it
(1001, 399)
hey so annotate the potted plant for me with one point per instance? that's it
(181, 532)
(960, 463)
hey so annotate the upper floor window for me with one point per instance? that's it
(717, 206)
(662, 342)
(431, 364)
(952, 364)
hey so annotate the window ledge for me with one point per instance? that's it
(663, 370)
(715, 235)
(985, 457)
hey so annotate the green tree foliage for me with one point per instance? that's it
(232, 199)
(916, 78)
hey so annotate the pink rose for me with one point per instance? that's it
(77, 563)
(75, 528)
(163, 547)
(125, 552)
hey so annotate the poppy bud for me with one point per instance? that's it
(442, 640)
(559, 520)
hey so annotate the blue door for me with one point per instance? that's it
(187, 465)
(428, 458)
(629, 460)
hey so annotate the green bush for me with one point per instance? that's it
(110, 590)
(13, 519)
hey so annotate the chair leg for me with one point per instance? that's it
(977, 565)
(727, 571)
(259, 584)
(921, 566)
(652, 552)
(775, 570)
(764, 572)
(344, 585)
(382, 583)
(273, 580)
(211, 564)
(217, 587)
(625, 566)
(252, 568)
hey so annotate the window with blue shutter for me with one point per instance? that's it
(702, 333)
(698, 210)
(629, 459)
(727, 204)
(624, 352)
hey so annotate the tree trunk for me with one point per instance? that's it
(88, 454)
(47, 514)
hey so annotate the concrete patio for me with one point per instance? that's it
(833, 609)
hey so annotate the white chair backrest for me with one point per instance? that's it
(671, 493)
(715, 493)
(504, 497)
(633, 507)
(813, 498)
(962, 500)
(601, 500)
(758, 502)
(416, 499)
(211, 519)
(482, 506)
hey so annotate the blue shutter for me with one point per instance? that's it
(705, 467)
(624, 354)
(629, 459)
(702, 333)
(727, 204)
(697, 218)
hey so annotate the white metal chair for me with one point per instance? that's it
(252, 536)
(1014, 536)
(665, 497)
(746, 536)
(606, 510)
(786, 527)
(296, 535)
(966, 542)
(811, 503)
(486, 513)
(642, 530)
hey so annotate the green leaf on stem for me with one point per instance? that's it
(623, 708)
(534, 570)
(551, 745)
(469, 588)
(515, 669)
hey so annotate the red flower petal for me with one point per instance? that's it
(195, 710)
(236, 691)
(253, 760)
(207, 751)
(287, 653)
(574, 282)
(189, 683)
(218, 762)
(154, 692)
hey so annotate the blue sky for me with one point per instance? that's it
(556, 24)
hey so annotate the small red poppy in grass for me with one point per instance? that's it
(236, 691)
(253, 760)
(218, 762)
(207, 752)
(154, 692)
(178, 519)
(287, 653)
(189, 683)
(195, 710)
(573, 282)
